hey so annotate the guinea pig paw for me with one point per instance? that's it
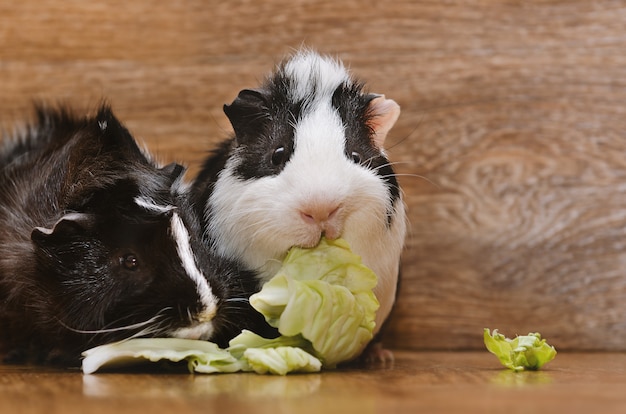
(375, 353)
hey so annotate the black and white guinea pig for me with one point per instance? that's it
(307, 160)
(99, 244)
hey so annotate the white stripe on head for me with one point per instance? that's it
(150, 205)
(315, 74)
(183, 247)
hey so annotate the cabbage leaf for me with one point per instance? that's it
(206, 355)
(523, 352)
(325, 296)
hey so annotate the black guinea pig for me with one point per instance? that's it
(307, 160)
(100, 244)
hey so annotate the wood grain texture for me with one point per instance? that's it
(441, 382)
(511, 143)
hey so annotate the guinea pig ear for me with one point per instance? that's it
(247, 111)
(115, 137)
(383, 114)
(69, 225)
(174, 171)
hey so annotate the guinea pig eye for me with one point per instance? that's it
(129, 261)
(279, 156)
(355, 157)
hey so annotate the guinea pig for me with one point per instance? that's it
(307, 160)
(100, 244)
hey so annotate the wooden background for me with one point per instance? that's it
(512, 139)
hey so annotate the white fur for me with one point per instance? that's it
(203, 327)
(308, 68)
(258, 221)
(150, 205)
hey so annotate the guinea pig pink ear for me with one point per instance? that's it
(68, 225)
(383, 114)
(247, 111)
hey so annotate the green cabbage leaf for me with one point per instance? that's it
(523, 352)
(206, 355)
(323, 295)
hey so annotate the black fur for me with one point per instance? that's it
(263, 122)
(353, 107)
(78, 254)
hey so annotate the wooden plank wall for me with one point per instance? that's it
(511, 143)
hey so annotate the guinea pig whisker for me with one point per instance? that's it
(245, 300)
(292, 119)
(157, 315)
(159, 328)
(385, 165)
(253, 212)
(259, 227)
(414, 176)
(409, 135)
(391, 164)
(109, 330)
(149, 331)
(106, 330)
(368, 163)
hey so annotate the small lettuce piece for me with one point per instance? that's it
(279, 355)
(248, 339)
(523, 352)
(324, 296)
(281, 360)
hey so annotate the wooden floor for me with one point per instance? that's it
(417, 382)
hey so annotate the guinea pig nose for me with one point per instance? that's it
(319, 213)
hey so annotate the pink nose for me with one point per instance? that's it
(319, 214)
(326, 217)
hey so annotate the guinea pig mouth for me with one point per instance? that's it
(315, 235)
